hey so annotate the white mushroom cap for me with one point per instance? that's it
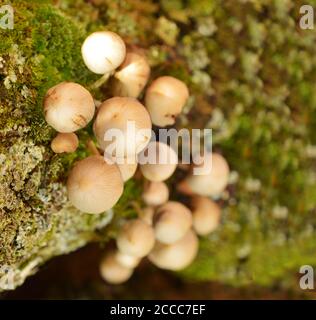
(171, 222)
(112, 271)
(65, 142)
(164, 99)
(155, 193)
(126, 260)
(127, 170)
(132, 76)
(161, 161)
(147, 215)
(212, 182)
(68, 107)
(93, 185)
(136, 238)
(103, 51)
(176, 256)
(206, 215)
(125, 115)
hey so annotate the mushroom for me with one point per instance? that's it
(68, 107)
(65, 142)
(112, 271)
(103, 51)
(131, 77)
(136, 238)
(127, 170)
(211, 180)
(147, 214)
(93, 185)
(158, 161)
(128, 122)
(155, 193)
(165, 99)
(171, 222)
(175, 256)
(126, 260)
(206, 215)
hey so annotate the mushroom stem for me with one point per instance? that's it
(92, 148)
(101, 81)
(137, 208)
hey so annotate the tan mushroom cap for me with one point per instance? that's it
(68, 107)
(132, 76)
(118, 114)
(176, 256)
(155, 193)
(112, 271)
(212, 181)
(158, 161)
(206, 215)
(127, 170)
(65, 142)
(136, 238)
(171, 222)
(103, 51)
(126, 260)
(165, 99)
(93, 185)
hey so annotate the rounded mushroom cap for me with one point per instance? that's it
(136, 238)
(161, 161)
(112, 271)
(93, 185)
(147, 215)
(68, 107)
(103, 51)
(130, 123)
(206, 215)
(132, 76)
(215, 179)
(176, 256)
(164, 99)
(65, 142)
(155, 193)
(171, 222)
(126, 260)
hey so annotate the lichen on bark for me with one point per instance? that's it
(251, 73)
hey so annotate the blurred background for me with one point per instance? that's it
(76, 276)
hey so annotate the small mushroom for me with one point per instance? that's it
(147, 214)
(93, 185)
(136, 238)
(103, 51)
(127, 170)
(211, 180)
(158, 161)
(155, 193)
(175, 256)
(126, 260)
(127, 122)
(131, 77)
(171, 222)
(112, 271)
(165, 99)
(65, 142)
(206, 215)
(68, 107)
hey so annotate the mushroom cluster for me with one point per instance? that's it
(166, 231)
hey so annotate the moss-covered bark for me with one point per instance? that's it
(251, 73)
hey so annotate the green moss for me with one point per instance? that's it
(36, 222)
